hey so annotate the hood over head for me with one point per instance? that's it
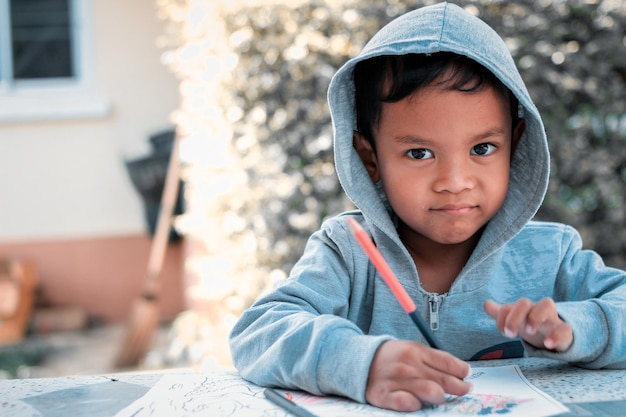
(444, 27)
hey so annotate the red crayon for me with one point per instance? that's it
(390, 279)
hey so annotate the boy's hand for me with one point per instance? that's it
(404, 375)
(538, 324)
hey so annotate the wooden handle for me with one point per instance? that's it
(164, 220)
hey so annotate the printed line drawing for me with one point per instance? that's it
(497, 391)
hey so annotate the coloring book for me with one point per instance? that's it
(497, 391)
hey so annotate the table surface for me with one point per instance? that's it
(78, 395)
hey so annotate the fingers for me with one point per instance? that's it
(403, 401)
(443, 362)
(522, 315)
(514, 316)
(413, 397)
(492, 308)
(405, 375)
(538, 324)
(560, 338)
(544, 312)
(545, 322)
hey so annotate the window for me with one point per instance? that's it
(45, 64)
(41, 39)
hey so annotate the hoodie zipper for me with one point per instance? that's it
(434, 302)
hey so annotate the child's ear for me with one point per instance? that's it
(367, 154)
(518, 131)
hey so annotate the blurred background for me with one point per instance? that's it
(93, 94)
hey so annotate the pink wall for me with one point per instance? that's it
(101, 275)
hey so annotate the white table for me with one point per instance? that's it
(105, 395)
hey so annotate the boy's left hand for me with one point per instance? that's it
(536, 323)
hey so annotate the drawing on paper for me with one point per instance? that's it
(467, 405)
(482, 404)
(497, 391)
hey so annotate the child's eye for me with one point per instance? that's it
(419, 153)
(483, 149)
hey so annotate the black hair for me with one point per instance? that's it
(391, 78)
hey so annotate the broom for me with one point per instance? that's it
(144, 318)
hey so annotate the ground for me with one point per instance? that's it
(83, 352)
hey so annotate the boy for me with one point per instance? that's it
(439, 145)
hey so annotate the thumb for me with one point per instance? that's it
(492, 308)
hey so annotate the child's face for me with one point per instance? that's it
(443, 158)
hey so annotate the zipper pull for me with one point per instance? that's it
(434, 301)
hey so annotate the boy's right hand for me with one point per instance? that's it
(405, 375)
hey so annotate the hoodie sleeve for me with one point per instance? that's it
(595, 307)
(299, 336)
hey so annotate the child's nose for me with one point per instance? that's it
(453, 176)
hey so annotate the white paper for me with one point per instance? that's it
(499, 391)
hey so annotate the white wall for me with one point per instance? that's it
(66, 179)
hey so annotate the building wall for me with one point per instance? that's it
(101, 275)
(66, 200)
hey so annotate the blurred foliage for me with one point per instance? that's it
(570, 53)
(20, 356)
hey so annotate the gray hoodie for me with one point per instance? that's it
(319, 329)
